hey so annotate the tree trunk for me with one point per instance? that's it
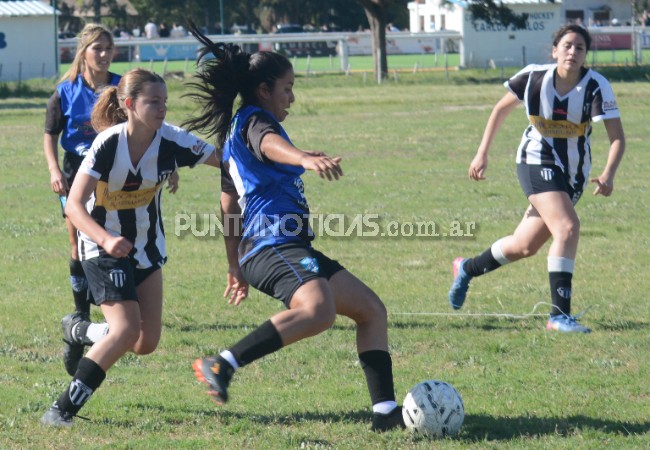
(376, 14)
(97, 9)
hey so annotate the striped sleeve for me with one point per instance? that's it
(604, 104)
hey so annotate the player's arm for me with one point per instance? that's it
(277, 149)
(236, 285)
(499, 113)
(214, 160)
(605, 182)
(57, 179)
(82, 188)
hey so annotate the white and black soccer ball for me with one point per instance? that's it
(433, 408)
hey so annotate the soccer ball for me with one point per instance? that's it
(433, 408)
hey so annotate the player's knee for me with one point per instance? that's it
(528, 251)
(145, 346)
(568, 230)
(373, 310)
(124, 338)
(322, 317)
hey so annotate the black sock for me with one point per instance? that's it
(481, 264)
(261, 342)
(560, 292)
(86, 380)
(79, 287)
(378, 369)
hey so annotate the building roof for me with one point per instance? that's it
(85, 8)
(25, 8)
(464, 4)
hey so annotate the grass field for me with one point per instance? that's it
(406, 147)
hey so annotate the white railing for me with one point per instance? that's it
(293, 44)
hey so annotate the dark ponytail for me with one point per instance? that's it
(220, 80)
(230, 73)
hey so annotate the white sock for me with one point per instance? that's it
(97, 331)
(560, 264)
(230, 358)
(497, 252)
(384, 407)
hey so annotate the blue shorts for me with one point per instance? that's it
(280, 270)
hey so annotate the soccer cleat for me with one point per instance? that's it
(216, 372)
(73, 345)
(565, 324)
(459, 287)
(54, 417)
(386, 422)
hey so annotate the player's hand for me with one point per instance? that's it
(59, 183)
(236, 286)
(172, 182)
(478, 167)
(117, 246)
(604, 186)
(323, 165)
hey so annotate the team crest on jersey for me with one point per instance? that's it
(547, 173)
(118, 277)
(310, 264)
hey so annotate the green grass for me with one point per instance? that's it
(406, 147)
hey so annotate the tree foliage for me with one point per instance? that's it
(496, 14)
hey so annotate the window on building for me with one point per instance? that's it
(575, 16)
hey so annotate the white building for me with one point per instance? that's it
(484, 44)
(27, 41)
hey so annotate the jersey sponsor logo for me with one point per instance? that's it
(559, 129)
(300, 186)
(118, 277)
(198, 147)
(547, 173)
(119, 200)
(610, 105)
(310, 264)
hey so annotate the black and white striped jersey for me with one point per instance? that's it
(560, 125)
(126, 201)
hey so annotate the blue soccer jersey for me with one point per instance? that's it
(271, 195)
(69, 112)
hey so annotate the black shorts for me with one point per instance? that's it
(71, 164)
(280, 270)
(113, 279)
(536, 179)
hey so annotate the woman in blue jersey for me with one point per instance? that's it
(273, 252)
(553, 164)
(115, 203)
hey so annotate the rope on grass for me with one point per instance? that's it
(532, 313)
